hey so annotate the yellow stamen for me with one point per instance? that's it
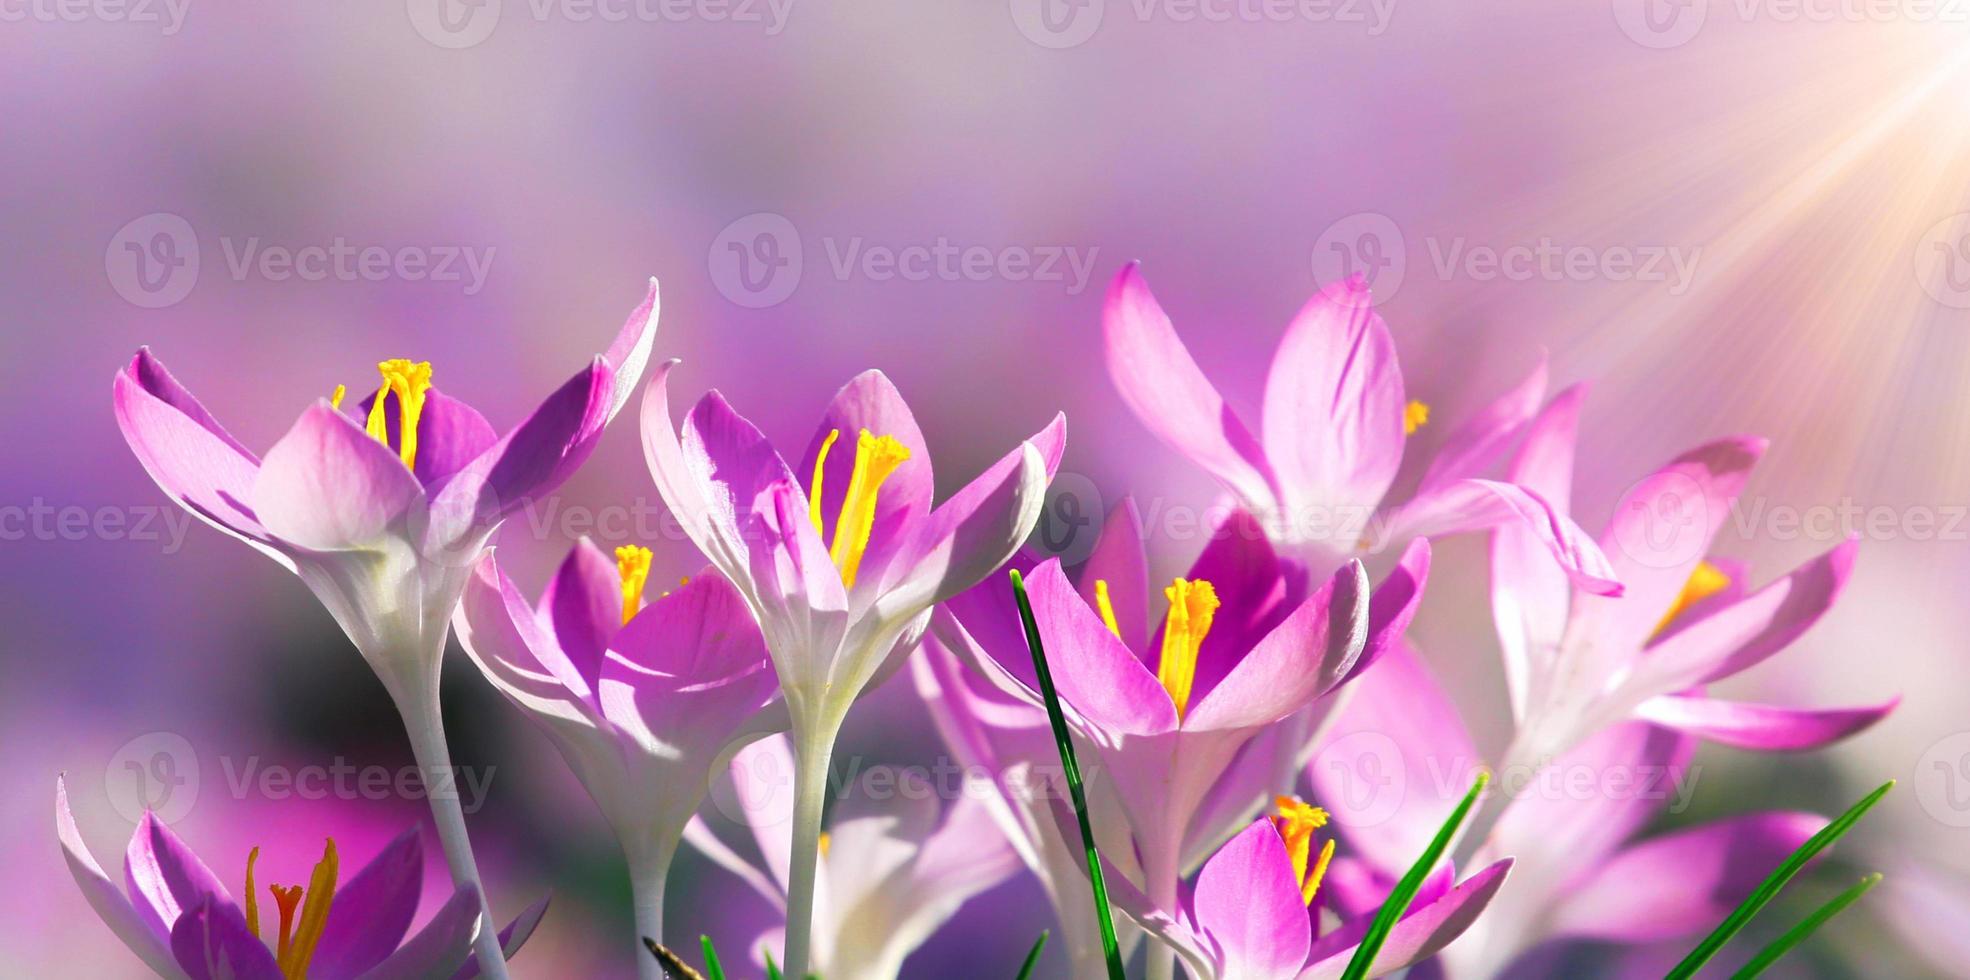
(633, 567)
(1192, 605)
(252, 901)
(297, 947)
(1297, 821)
(1107, 607)
(1415, 415)
(1706, 581)
(409, 382)
(876, 459)
(826, 841)
(820, 470)
(335, 400)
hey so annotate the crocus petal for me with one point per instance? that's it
(1422, 932)
(1395, 761)
(1239, 562)
(1761, 727)
(870, 402)
(802, 607)
(1334, 403)
(1120, 559)
(515, 935)
(186, 452)
(709, 478)
(1304, 657)
(1159, 381)
(372, 911)
(1529, 591)
(1475, 505)
(503, 635)
(1474, 446)
(211, 942)
(1248, 902)
(164, 877)
(328, 486)
(450, 433)
(541, 452)
(629, 353)
(1198, 953)
(1632, 771)
(1661, 530)
(147, 939)
(583, 606)
(970, 535)
(1746, 632)
(440, 946)
(1393, 604)
(1683, 882)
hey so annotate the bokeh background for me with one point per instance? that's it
(1806, 164)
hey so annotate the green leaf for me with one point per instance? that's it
(713, 969)
(1769, 889)
(1033, 956)
(672, 963)
(1109, 947)
(772, 969)
(1797, 934)
(1392, 910)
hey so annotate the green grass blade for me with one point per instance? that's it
(672, 963)
(1033, 956)
(772, 969)
(1797, 934)
(1405, 890)
(1109, 947)
(714, 970)
(1769, 889)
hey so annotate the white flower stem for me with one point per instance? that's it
(1160, 873)
(425, 726)
(647, 873)
(814, 749)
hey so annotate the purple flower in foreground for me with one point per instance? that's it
(1396, 763)
(1335, 425)
(385, 512)
(1242, 647)
(177, 917)
(893, 869)
(643, 701)
(1576, 663)
(1252, 915)
(842, 564)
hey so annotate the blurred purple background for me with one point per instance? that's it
(518, 169)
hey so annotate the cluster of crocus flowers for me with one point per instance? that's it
(643, 701)
(895, 863)
(1335, 424)
(384, 513)
(839, 610)
(183, 923)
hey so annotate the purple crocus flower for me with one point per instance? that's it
(1399, 757)
(384, 512)
(1576, 662)
(644, 702)
(1253, 914)
(175, 915)
(1240, 649)
(894, 868)
(842, 564)
(1335, 425)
